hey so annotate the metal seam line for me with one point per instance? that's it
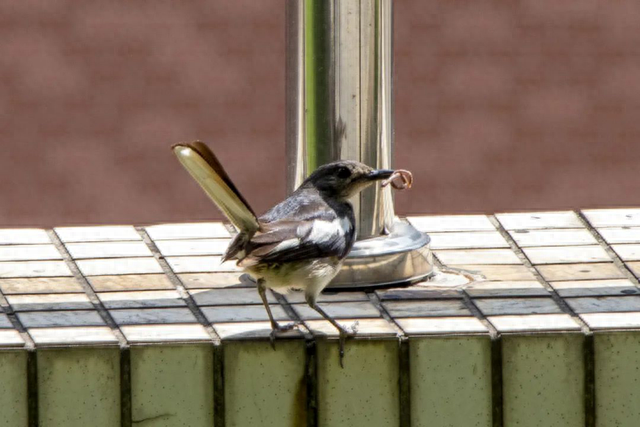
(311, 373)
(497, 413)
(126, 406)
(311, 361)
(125, 367)
(219, 408)
(527, 262)
(32, 388)
(622, 266)
(589, 381)
(497, 391)
(175, 280)
(32, 362)
(496, 361)
(8, 310)
(404, 362)
(88, 289)
(219, 417)
(468, 301)
(404, 394)
(588, 345)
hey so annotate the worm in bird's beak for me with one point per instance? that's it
(405, 176)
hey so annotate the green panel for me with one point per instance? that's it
(172, 385)
(264, 387)
(617, 360)
(543, 378)
(363, 394)
(13, 393)
(79, 387)
(445, 372)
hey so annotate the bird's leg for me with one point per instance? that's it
(262, 290)
(275, 326)
(344, 332)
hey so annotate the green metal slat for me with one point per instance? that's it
(172, 385)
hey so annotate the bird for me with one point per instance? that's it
(300, 243)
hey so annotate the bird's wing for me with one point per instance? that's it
(303, 205)
(205, 168)
(288, 241)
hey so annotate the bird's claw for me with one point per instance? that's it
(348, 332)
(353, 329)
(280, 328)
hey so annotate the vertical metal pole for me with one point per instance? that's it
(294, 93)
(339, 95)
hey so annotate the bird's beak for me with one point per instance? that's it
(379, 174)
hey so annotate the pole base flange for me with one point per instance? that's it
(401, 257)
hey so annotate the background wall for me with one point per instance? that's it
(500, 105)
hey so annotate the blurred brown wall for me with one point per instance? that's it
(500, 105)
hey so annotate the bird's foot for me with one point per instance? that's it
(353, 329)
(276, 327)
(346, 332)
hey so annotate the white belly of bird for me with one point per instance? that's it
(310, 276)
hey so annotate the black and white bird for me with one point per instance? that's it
(299, 244)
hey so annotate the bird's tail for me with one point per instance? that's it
(205, 168)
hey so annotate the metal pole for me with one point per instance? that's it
(339, 103)
(339, 74)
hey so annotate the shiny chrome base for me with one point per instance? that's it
(401, 257)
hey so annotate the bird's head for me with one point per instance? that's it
(345, 178)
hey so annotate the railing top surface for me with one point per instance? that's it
(533, 272)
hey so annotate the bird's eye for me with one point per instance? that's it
(344, 173)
